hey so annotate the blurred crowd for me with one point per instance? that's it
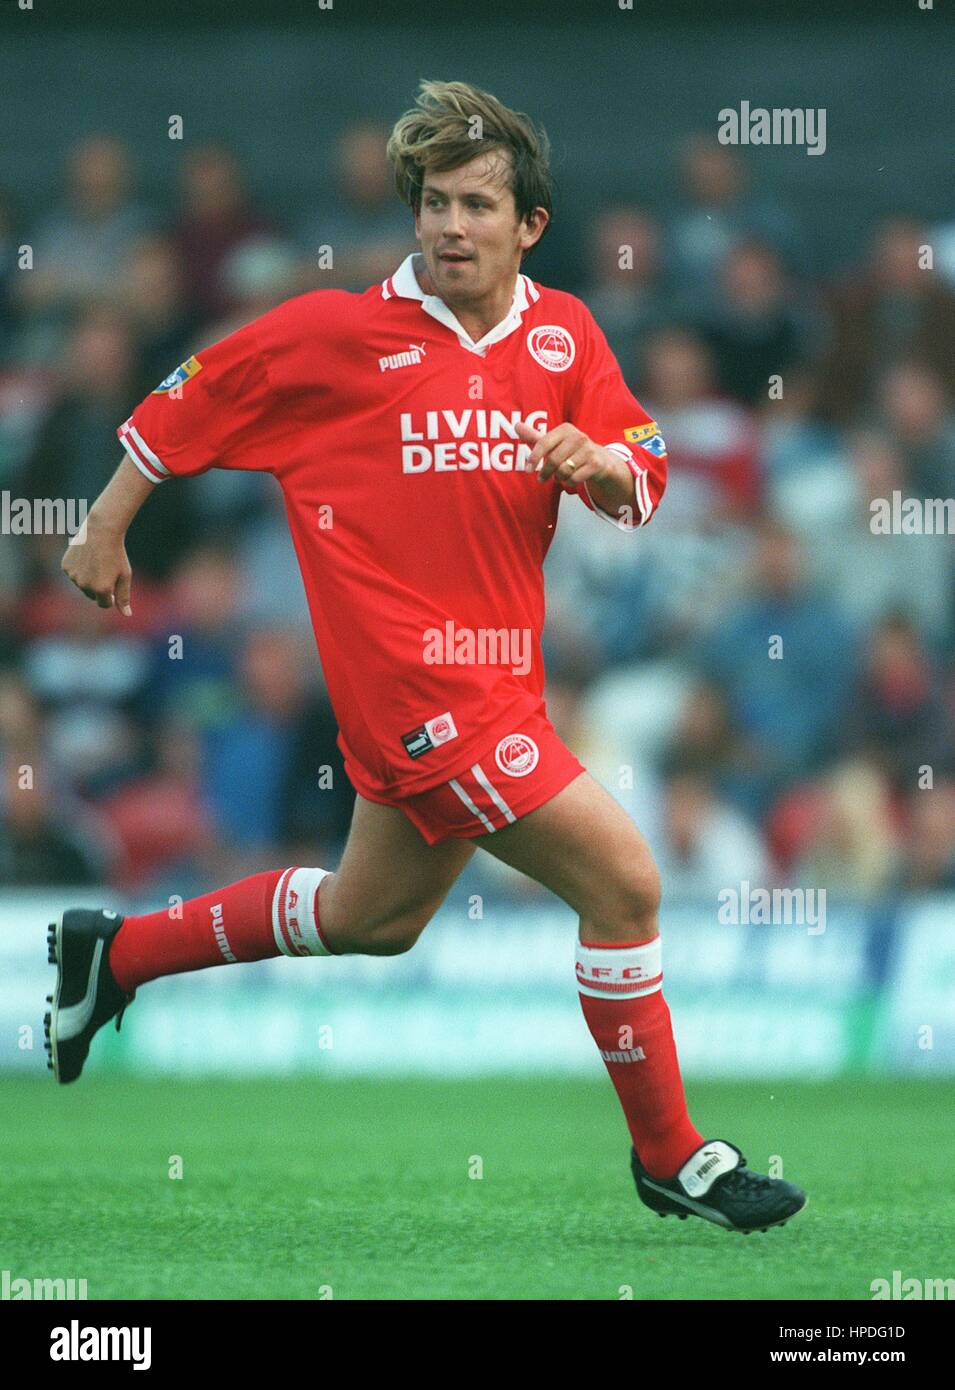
(766, 683)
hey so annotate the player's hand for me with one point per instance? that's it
(568, 454)
(96, 562)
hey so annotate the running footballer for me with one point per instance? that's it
(424, 434)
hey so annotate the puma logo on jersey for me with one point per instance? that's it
(411, 358)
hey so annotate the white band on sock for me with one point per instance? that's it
(619, 972)
(294, 920)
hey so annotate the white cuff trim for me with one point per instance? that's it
(641, 493)
(139, 451)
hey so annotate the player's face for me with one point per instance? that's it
(471, 237)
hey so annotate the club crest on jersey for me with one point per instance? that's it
(517, 755)
(648, 437)
(179, 377)
(552, 347)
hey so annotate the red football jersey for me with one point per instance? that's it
(419, 533)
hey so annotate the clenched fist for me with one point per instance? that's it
(96, 562)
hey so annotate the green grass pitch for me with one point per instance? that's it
(366, 1188)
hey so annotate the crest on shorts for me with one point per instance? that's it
(179, 377)
(517, 755)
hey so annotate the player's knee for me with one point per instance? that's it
(636, 899)
(385, 938)
(385, 944)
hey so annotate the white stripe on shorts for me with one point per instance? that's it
(475, 810)
(493, 793)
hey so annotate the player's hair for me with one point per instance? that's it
(449, 124)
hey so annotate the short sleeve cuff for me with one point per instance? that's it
(139, 451)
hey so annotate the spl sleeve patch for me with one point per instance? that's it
(638, 433)
(648, 437)
(179, 377)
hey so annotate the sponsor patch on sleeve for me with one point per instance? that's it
(179, 377)
(638, 433)
(648, 437)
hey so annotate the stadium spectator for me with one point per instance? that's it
(46, 834)
(152, 294)
(316, 798)
(77, 247)
(783, 657)
(216, 217)
(706, 743)
(755, 328)
(253, 746)
(809, 482)
(272, 594)
(258, 274)
(713, 441)
(9, 252)
(193, 669)
(45, 842)
(158, 818)
(76, 449)
(919, 420)
(707, 845)
(875, 572)
(896, 308)
(87, 677)
(928, 865)
(719, 212)
(627, 292)
(361, 223)
(853, 848)
(12, 585)
(897, 715)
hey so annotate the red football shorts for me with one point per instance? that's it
(524, 766)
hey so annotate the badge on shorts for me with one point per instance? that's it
(429, 734)
(517, 755)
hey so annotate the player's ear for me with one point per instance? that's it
(532, 227)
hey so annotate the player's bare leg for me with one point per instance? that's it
(389, 884)
(583, 846)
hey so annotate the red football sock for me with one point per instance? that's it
(270, 914)
(630, 1022)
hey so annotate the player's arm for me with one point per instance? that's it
(608, 450)
(570, 456)
(95, 559)
(219, 409)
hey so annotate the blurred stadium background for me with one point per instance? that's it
(156, 777)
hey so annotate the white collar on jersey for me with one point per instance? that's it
(404, 285)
